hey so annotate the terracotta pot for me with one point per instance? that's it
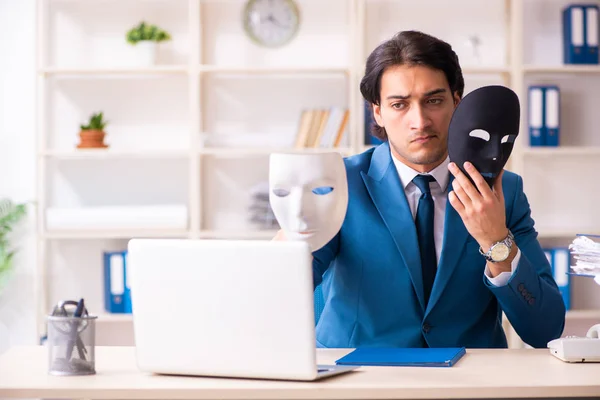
(91, 139)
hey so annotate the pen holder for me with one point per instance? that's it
(71, 345)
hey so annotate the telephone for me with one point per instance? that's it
(577, 349)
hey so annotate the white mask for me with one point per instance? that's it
(309, 195)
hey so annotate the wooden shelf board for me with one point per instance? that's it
(562, 151)
(583, 314)
(272, 70)
(241, 152)
(78, 71)
(475, 70)
(113, 234)
(224, 234)
(560, 69)
(99, 154)
(106, 317)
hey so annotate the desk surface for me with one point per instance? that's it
(480, 373)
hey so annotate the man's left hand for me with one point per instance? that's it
(481, 208)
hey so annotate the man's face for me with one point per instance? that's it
(415, 109)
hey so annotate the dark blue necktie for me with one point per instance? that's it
(424, 224)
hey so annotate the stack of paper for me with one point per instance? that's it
(261, 213)
(586, 252)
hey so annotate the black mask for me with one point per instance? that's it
(483, 130)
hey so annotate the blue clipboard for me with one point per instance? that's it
(407, 357)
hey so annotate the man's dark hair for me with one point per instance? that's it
(409, 48)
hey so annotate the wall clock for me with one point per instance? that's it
(271, 23)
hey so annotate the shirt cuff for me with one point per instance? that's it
(503, 277)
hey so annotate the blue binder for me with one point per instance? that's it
(544, 115)
(580, 34)
(590, 23)
(561, 263)
(404, 357)
(127, 308)
(114, 282)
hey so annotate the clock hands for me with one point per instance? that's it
(274, 21)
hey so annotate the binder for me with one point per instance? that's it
(580, 34)
(591, 33)
(573, 35)
(127, 307)
(114, 282)
(404, 357)
(536, 116)
(561, 262)
(552, 115)
(544, 115)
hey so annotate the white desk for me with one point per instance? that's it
(479, 374)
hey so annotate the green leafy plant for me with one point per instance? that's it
(96, 123)
(145, 31)
(10, 214)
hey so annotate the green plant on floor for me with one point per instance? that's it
(96, 123)
(10, 215)
(149, 32)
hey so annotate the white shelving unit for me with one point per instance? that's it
(207, 96)
(197, 128)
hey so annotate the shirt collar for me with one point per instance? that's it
(406, 173)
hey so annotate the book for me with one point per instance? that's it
(408, 357)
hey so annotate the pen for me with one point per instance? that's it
(74, 336)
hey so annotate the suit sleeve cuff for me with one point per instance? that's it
(503, 278)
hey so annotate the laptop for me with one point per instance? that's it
(225, 308)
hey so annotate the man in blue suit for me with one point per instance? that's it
(377, 280)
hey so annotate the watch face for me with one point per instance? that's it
(500, 252)
(271, 23)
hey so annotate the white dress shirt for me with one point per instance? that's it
(440, 199)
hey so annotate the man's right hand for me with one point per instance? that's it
(280, 235)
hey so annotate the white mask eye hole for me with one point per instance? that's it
(508, 139)
(481, 134)
(322, 190)
(281, 192)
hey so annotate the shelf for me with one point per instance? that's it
(156, 70)
(583, 314)
(114, 234)
(272, 70)
(105, 317)
(561, 69)
(562, 151)
(249, 152)
(485, 70)
(258, 235)
(561, 234)
(103, 154)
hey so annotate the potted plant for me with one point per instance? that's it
(145, 38)
(92, 134)
(10, 214)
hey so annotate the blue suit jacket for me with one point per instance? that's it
(371, 273)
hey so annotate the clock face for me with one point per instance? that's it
(271, 23)
(500, 252)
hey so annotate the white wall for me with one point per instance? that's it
(17, 162)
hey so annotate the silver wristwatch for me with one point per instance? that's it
(499, 250)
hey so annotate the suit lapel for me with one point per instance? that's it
(455, 238)
(386, 191)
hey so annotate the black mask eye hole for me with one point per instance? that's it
(508, 139)
(481, 134)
